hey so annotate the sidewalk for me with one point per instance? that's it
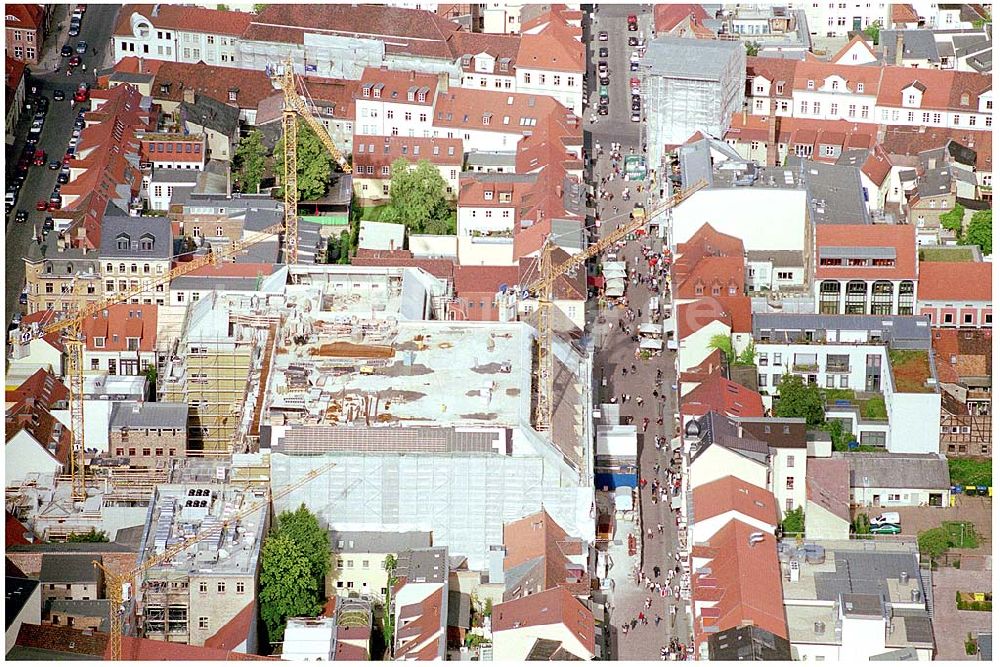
(54, 41)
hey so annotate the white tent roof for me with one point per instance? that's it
(650, 344)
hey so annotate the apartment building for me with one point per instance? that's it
(956, 294)
(26, 27)
(148, 433)
(552, 63)
(135, 252)
(836, 19)
(392, 103)
(57, 276)
(373, 156)
(487, 61)
(120, 340)
(70, 577)
(179, 34)
(359, 560)
(866, 269)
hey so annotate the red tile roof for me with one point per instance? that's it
(334, 97)
(236, 631)
(717, 394)
(439, 268)
(942, 89)
(464, 108)
(396, 85)
(745, 583)
(187, 18)
(90, 645)
(955, 281)
(809, 131)
(902, 238)
(123, 321)
(464, 43)
(828, 485)
(554, 48)
(709, 366)
(819, 72)
(44, 318)
(251, 86)
(666, 17)
(134, 648)
(15, 531)
(419, 638)
(725, 274)
(551, 607)
(907, 140)
(734, 311)
(136, 65)
(904, 13)
(963, 353)
(857, 39)
(569, 287)
(539, 536)
(705, 242)
(483, 279)
(877, 166)
(24, 17)
(13, 73)
(437, 150)
(731, 494)
(48, 431)
(43, 386)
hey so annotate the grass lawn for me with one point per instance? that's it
(874, 408)
(971, 472)
(910, 370)
(946, 255)
(959, 538)
(373, 213)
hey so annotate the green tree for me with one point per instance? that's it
(872, 32)
(797, 399)
(980, 231)
(314, 164)
(93, 536)
(953, 219)
(748, 357)
(933, 543)
(839, 438)
(794, 521)
(287, 585)
(862, 525)
(724, 344)
(259, 7)
(222, 8)
(303, 527)
(249, 161)
(417, 198)
(753, 48)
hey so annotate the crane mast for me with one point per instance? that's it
(543, 289)
(294, 108)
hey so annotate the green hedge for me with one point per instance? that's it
(973, 605)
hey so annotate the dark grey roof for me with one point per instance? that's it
(132, 414)
(168, 175)
(220, 283)
(134, 230)
(748, 643)
(720, 430)
(423, 565)
(211, 114)
(131, 77)
(866, 572)
(568, 233)
(490, 159)
(897, 471)
(18, 652)
(897, 655)
(779, 258)
(691, 59)
(89, 608)
(377, 541)
(918, 627)
(835, 193)
(861, 604)
(259, 219)
(17, 592)
(549, 650)
(985, 642)
(900, 331)
(72, 548)
(917, 44)
(76, 568)
(459, 609)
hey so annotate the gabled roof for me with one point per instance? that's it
(397, 86)
(42, 386)
(483, 279)
(828, 485)
(898, 239)
(962, 354)
(718, 394)
(942, 89)
(554, 48)
(904, 13)
(907, 140)
(707, 242)
(877, 166)
(236, 631)
(732, 494)
(571, 286)
(955, 281)
(173, 79)
(551, 607)
(734, 311)
(185, 18)
(34, 418)
(420, 638)
(24, 17)
(210, 113)
(120, 322)
(135, 649)
(666, 17)
(472, 44)
(131, 233)
(857, 39)
(15, 531)
(538, 540)
(710, 273)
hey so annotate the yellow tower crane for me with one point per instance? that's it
(295, 107)
(72, 329)
(115, 582)
(542, 288)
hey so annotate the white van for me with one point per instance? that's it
(885, 518)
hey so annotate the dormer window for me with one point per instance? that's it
(122, 242)
(366, 91)
(504, 64)
(165, 88)
(146, 243)
(466, 61)
(780, 88)
(716, 290)
(232, 94)
(486, 118)
(99, 341)
(965, 99)
(699, 290)
(834, 85)
(861, 87)
(810, 85)
(421, 95)
(488, 195)
(377, 94)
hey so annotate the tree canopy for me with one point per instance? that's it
(417, 199)
(93, 536)
(953, 219)
(287, 585)
(314, 164)
(798, 399)
(980, 231)
(303, 527)
(872, 32)
(724, 344)
(249, 161)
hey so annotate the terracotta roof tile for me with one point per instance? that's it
(420, 637)
(396, 85)
(437, 150)
(134, 649)
(794, 130)
(551, 607)
(187, 18)
(666, 17)
(570, 287)
(907, 140)
(464, 43)
(439, 268)
(42, 386)
(943, 89)
(539, 536)
(483, 279)
(250, 86)
(877, 166)
(63, 639)
(554, 48)
(733, 494)
(955, 281)
(15, 531)
(828, 485)
(124, 321)
(236, 631)
(857, 39)
(901, 238)
(734, 311)
(904, 13)
(711, 365)
(717, 394)
(25, 17)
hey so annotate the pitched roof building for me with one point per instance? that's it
(555, 615)
(540, 556)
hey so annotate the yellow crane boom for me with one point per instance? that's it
(296, 107)
(543, 288)
(115, 582)
(72, 329)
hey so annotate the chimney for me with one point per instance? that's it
(189, 95)
(772, 135)
(442, 82)
(899, 48)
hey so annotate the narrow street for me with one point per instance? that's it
(616, 353)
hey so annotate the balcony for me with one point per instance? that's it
(869, 406)
(805, 363)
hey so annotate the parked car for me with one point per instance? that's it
(39, 158)
(81, 95)
(58, 95)
(81, 47)
(605, 81)
(55, 164)
(886, 529)
(63, 177)
(21, 215)
(23, 299)
(74, 61)
(604, 100)
(49, 224)
(633, 66)
(603, 110)
(66, 51)
(602, 52)
(633, 22)
(55, 205)
(74, 29)
(602, 36)
(636, 116)
(81, 9)
(41, 205)
(602, 68)
(885, 518)
(636, 105)
(633, 40)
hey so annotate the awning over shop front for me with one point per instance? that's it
(650, 344)
(650, 329)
